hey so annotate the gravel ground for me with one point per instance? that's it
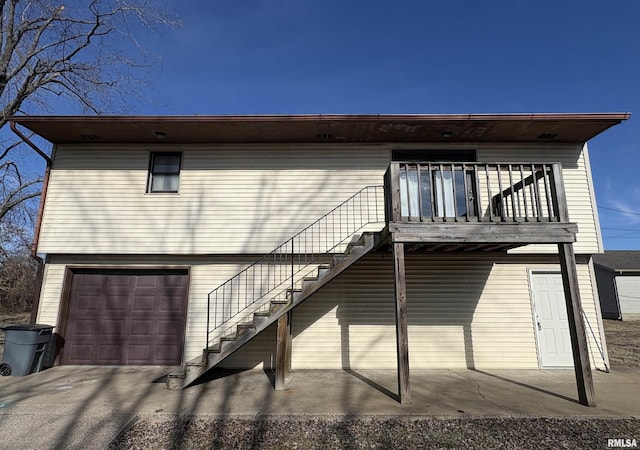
(375, 433)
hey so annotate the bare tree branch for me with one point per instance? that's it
(85, 51)
(9, 148)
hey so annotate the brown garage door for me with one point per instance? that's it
(125, 317)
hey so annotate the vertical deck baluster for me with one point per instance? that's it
(503, 206)
(442, 191)
(455, 193)
(420, 212)
(476, 194)
(466, 191)
(432, 193)
(524, 194)
(490, 197)
(547, 193)
(536, 191)
(514, 196)
(407, 190)
(553, 178)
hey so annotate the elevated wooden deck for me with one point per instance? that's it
(462, 206)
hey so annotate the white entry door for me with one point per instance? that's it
(554, 341)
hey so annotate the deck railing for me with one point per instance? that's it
(473, 192)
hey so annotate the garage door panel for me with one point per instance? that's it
(139, 354)
(168, 328)
(142, 329)
(126, 317)
(110, 353)
(144, 303)
(115, 301)
(175, 281)
(82, 353)
(150, 281)
(112, 327)
(171, 303)
(84, 327)
(88, 303)
(116, 281)
(86, 281)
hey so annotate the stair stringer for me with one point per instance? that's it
(245, 332)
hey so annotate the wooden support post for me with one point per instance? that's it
(579, 347)
(400, 289)
(283, 351)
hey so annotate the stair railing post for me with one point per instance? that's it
(292, 270)
(208, 315)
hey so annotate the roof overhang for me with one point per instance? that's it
(563, 128)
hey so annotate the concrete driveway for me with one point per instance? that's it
(81, 407)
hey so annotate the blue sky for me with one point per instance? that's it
(455, 56)
(356, 56)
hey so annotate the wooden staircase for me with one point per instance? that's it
(272, 309)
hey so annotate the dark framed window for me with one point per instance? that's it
(439, 180)
(164, 172)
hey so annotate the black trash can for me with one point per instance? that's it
(24, 348)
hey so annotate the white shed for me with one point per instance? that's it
(618, 279)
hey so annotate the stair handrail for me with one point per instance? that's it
(371, 212)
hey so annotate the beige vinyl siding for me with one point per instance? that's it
(229, 201)
(237, 199)
(463, 311)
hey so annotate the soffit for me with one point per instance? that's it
(563, 128)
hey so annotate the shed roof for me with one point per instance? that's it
(619, 259)
(531, 127)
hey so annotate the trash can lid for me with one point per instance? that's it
(28, 327)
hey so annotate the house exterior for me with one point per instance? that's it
(618, 276)
(322, 242)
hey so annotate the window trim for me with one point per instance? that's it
(151, 172)
(441, 194)
(427, 155)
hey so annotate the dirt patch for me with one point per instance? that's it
(623, 344)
